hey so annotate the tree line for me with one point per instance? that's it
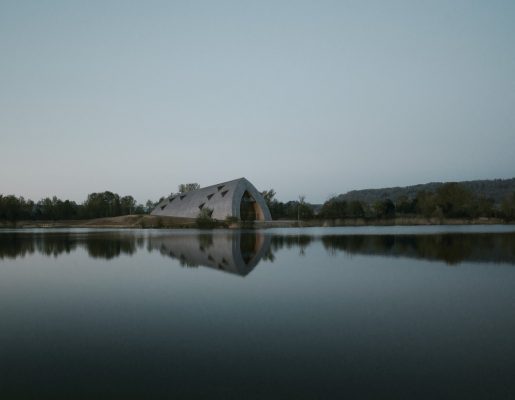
(97, 205)
(450, 200)
(296, 209)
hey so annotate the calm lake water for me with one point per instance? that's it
(325, 313)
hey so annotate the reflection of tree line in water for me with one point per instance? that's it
(451, 248)
(97, 246)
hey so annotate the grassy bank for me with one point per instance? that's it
(125, 221)
(404, 221)
(154, 222)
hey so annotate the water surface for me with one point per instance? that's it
(390, 312)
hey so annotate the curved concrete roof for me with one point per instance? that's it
(224, 199)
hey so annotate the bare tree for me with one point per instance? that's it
(269, 196)
(302, 198)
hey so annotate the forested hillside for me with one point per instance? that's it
(495, 189)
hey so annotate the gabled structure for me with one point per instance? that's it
(237, 198)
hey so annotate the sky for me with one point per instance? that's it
(305, 97)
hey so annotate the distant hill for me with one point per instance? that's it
(496, 189)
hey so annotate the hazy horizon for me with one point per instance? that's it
(313, 98)
(294, 198)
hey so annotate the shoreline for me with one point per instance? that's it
(157, 222)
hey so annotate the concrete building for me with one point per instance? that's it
(237, 198)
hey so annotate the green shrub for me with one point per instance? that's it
(205, 220)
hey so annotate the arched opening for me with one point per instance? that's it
(249, 208)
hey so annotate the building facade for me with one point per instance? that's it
(237, 198)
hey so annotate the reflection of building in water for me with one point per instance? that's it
(233, 252)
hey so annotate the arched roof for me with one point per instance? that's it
(224, 199)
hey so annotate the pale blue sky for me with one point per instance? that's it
(312, 97)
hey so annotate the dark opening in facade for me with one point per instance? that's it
(250, 209)
(247, 211)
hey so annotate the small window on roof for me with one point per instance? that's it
(224, 193)
(210, 195)
(163, 206)
(171, 199)
(220, 187)
(182, 196)
(202, 206)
